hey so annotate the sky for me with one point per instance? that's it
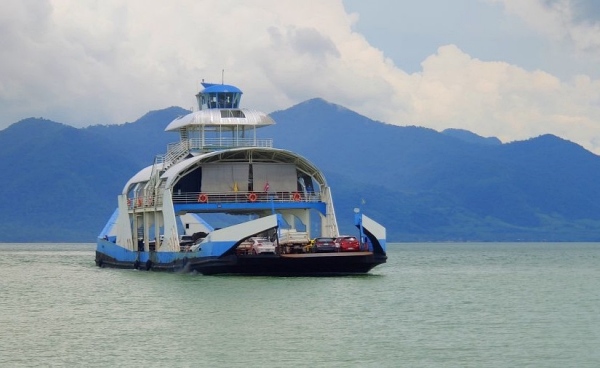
(512, 69)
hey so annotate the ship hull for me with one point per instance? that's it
(290, 265)
(313, 264)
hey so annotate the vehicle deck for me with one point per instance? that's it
(331, 254)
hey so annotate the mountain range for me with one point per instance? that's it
(61, 182)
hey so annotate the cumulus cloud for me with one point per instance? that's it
(503, 100)
(576, 22)
(88, 62)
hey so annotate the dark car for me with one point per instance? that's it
(347, 244)
(324, 245)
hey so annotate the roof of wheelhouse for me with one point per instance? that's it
(213, 87)
(221, 118)
(218, 107)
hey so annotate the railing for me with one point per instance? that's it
(144, 202)
(224, 197)
(244, 197)
(177, 150)
(208, 144)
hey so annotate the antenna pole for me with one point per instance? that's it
(222, 76)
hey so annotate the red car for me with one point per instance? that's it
(347, 243)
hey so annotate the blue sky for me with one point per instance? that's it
(513, 69)
(408, 32)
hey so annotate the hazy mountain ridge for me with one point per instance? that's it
(471, 137)
(423, 185)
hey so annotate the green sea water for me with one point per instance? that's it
(431, 305)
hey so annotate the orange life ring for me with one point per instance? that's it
(297, 197)
(252, 197)
(202, 198)
(139, 202)
(128, 202)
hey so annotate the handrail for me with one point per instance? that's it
(224, 197)
(177, 150)
(244, 197)
(223, 142)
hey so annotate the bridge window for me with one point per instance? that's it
(232, 114)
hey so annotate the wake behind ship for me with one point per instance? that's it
(223, 200)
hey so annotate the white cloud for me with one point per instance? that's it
(89, 62)
(564, 20)
(503, 100)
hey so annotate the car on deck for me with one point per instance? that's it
(347, 243)
(262, 245)
(324, 245)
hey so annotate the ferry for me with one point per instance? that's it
(222, 200)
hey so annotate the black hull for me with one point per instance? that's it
(321, 264)
(291, 265)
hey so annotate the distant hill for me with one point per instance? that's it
(421, 184)
(470, 137)
(433, 186)
(145, 138)
(60, 181)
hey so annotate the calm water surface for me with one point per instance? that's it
(431, 305)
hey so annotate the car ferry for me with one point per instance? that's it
(200, 206)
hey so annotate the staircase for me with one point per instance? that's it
(175, 152)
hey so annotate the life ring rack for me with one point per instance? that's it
(202, 198)
(252, 197)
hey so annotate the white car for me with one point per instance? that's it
(262, 245)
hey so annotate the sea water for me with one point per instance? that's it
(431, 305)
